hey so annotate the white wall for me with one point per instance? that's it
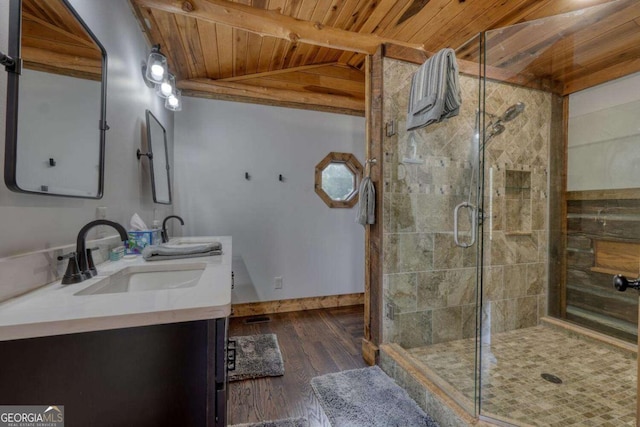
(604, 136)
(278, 228)
(616, 92)
(32, 222)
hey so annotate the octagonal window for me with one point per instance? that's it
(337, 179)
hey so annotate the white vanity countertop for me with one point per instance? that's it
(55, 310)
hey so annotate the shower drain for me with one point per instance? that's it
(551, 378)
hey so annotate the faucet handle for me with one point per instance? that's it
(67, 256)
(91, 266)
(73, 274)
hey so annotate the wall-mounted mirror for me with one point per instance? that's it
(158, 160)
(55, 102)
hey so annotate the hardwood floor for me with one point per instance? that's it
(313, 342)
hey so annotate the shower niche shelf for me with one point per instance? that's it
(518, 202)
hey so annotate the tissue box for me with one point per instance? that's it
(138, 240)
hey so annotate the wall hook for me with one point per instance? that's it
(247, 176)
(140, 154)
(280, 178)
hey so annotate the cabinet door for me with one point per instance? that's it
(143, 376)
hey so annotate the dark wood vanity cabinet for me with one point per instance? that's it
(159, 375)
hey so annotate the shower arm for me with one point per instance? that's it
(621, 283)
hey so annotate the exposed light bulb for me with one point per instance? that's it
(157, 71)
(166, 89)
(174, 101)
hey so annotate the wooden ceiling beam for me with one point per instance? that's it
(320, 80)
(271, 73)
(340, 71)
(234, 91)
(352, 90)
(272, 23)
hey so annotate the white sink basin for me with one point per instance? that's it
(141, 278)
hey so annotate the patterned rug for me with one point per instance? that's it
(256, 356)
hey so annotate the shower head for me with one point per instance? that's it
(512, 112)
(496, 129)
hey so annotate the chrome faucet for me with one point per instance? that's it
(165, 235)
(81, 264)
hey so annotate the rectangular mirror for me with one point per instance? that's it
(55, 102)
(158, 160)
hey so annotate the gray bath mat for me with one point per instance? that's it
(257, 356)
(367, 397)
(289, 422)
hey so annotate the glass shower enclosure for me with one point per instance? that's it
(429, 282)
(491, 284)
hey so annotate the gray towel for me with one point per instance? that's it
(366, 202)
(435, 91)
(163, 252)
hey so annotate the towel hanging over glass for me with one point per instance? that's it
(435, 91)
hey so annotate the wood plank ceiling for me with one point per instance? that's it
(312, 52)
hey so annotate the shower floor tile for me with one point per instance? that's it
(598, 382)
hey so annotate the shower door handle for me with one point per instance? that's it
(474, 224)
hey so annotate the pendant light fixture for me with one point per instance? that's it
(174, 101)
(156, 75)
(156, 66)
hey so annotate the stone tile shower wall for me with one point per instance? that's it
(516, 242)
(428, 282)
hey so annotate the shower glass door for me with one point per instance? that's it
(430, 298)
(550, 248)
(515, 154)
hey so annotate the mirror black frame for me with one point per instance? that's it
(13, 85)
(149, 116)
